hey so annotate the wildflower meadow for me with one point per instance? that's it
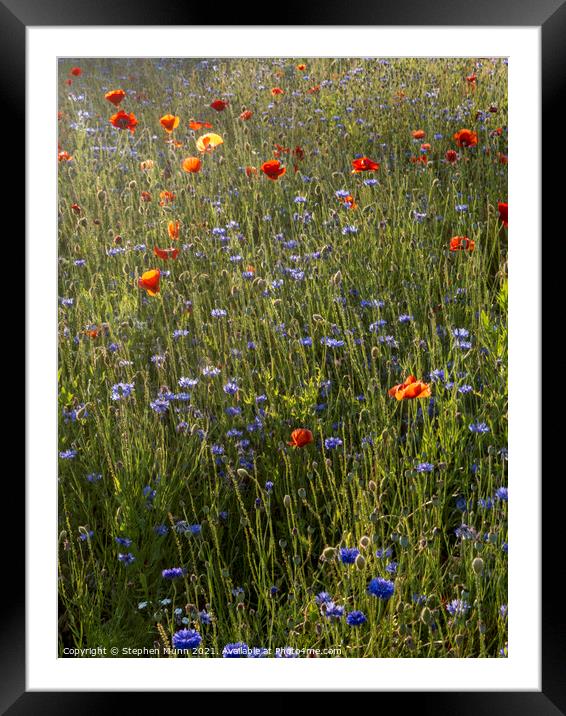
(282, 357)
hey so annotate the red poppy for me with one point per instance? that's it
(273, 169)
(471, 79)
(451, 156)
(503, 158)
(502, 208)
(363, 164)
(466, 138)
(121, 120)
(169, 122)
(150, 281)
(421, 159)
(145, 196)
(251, 171)
(299, 152)
(165, 253)
(301, 68)
(115, 96)
(276, 91)
(418, 134)
(219, 105)
(192, 165)
(301, 437)
(314, 89)
(246, 114)
(411, 388)
(462, 243)
(76, 208)
(196, 125)
(64, 156)
(76, 71)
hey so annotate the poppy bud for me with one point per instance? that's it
(302, 493)
(360, 562)
(375, 352)
(426, 616)
(365, 542)
(287, 501)
(101, 195)
(372, 486)
(132, 184)
(82, 222)
(477, 566)
(242, 472)
(328, 554)
(337, 278)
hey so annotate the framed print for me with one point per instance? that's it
(275, 362)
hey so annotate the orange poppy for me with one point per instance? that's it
(150, 281)
(147, 164)
(145, 196)
(121, 120)
(466, 138)
(471, 79)
(301, 68)
(64, 156)
(91, 332)
(169, 122)
(165, 253)
(276, 91)
(246, 114)
(314, 89)
(502, 208)
(251, 171)
(167, 197)
(411, 388)
(418, 134)
(173, 229)
(349, 201)
(219, 105)
(451, 156)
(363, 164)
(421, 159)
(76, 71)
(196, 125)
(462, 243)
(425, 147)
(208, 142)
(115, 96)
(273, 169)
(301, 437)
(192, 165)
(503, 158)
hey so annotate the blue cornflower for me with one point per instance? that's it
(356, 618)
(161, 530)
(124, 541)
(257, 652)
(348, 555)
(236, 650)
(501, 494)
(349, 230)
(424, 467)
(268, 486)
(121, 390)
(331, 443)
(381, 588)
(231, 388)
(127, 558)
(218, 312)
(479, 428)
(333, 611)
(68, 454)
(204, 617)
(94, 477)
(405, 318)
(186, 639)
(323, 598)
(306, 341)
(391, 567)
(210, 370)
(174, 573)
(85, 536)
(457, 608)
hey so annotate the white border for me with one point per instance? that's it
(521, 670)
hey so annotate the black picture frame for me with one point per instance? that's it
(550, 16)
